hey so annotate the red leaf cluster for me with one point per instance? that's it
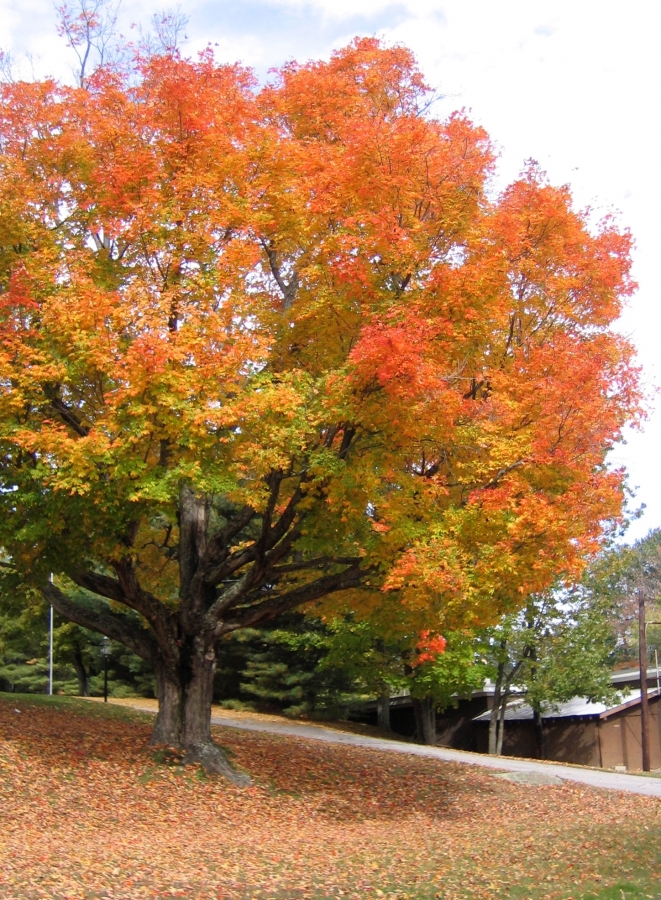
(429, 647)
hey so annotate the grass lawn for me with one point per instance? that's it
(89, 812)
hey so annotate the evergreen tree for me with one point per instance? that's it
(282, 667)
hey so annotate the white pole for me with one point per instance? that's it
(658, 686)
(50, 651)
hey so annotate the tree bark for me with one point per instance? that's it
(644, 701)
(184, 712)
(496, 710)
(425, 720)
(81, 673)
(501, 725)
(229, 578)
(168, 729)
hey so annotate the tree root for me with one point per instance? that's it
(214, 762)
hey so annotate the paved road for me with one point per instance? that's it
(600, 778)
(635, 784)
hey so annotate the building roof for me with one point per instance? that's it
(620, 676)
(577, 707)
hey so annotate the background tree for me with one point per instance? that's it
(559, 646)
(263, 347)
(615, 578)
(440, 674)
(90, 30)
(374, 662)
(434, 670)
(283, 666)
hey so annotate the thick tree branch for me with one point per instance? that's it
(102, 585)
(234, 563)
(69, 417)
(270, 548)
(283, 547)
(318, 563)
(217, 547)
(502, 473)
(193, 523)
(102, 620)
(229, 596)
(286, 520)
(347, 438)
(134, 595)
(257, 612)
(288, 290)
(274, 482)
(127, 590)
(163, 623)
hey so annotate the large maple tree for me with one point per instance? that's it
(265, 346)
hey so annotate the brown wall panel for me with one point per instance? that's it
(612, 750)
(620, 739)
(572, 740)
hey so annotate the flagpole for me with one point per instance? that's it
(50, 651)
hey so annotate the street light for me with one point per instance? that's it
(105, 653)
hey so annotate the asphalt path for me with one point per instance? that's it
(599, 778)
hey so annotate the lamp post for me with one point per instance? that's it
(50, 653)
(105, 653)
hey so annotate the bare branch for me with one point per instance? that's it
(170, 30)
(90, 28)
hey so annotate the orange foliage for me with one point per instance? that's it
(301, 299)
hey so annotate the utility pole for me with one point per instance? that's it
(644, 702)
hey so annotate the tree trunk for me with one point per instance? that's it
(493, 728)
(169, 727)
(81, 673)
(495, 733)
(501, 724)
(383, 709)
(184, 712)
(425, 720)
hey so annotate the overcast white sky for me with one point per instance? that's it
(573, 84)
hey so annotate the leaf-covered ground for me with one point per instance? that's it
(88, 812)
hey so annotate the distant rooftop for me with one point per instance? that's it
(620, 676)
(577, 707)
